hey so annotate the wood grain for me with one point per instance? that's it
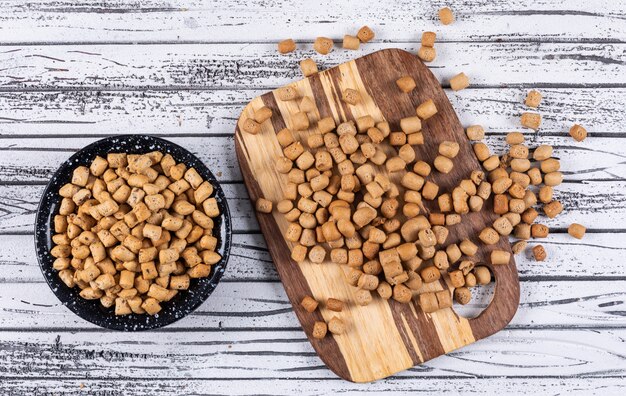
(176, 113)
(263, 306)
(54, 21)
(598, 257)
(105, 100)
(611, 385)
(286, 355)
(401, 335)
(235, 65)
(594, 161)
(598, 205)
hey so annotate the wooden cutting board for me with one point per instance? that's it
(384, 337)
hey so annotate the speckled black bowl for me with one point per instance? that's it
(92, 311)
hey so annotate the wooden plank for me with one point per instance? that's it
(598, 256)
(115, 112)
(571, 385)
(101, 113)
(284, 355)
(215, 152)
(190, 66)
(596, 204)
(125, 20)
(594, 159)
(600, 158)
(264, 306)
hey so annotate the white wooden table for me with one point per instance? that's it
(73, 72)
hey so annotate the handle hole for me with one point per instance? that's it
(482, 295)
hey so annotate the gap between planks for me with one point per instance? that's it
(535, 40)
(537, 134)
(533, 134)
(252, 87)
(199, 329)
(522, 278)
(553, 230)
(390, 378)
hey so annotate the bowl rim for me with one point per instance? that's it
(47, 209)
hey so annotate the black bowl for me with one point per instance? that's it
(91, 310)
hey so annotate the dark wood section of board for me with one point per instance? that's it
(379, 72)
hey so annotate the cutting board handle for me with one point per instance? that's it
(503, 305)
